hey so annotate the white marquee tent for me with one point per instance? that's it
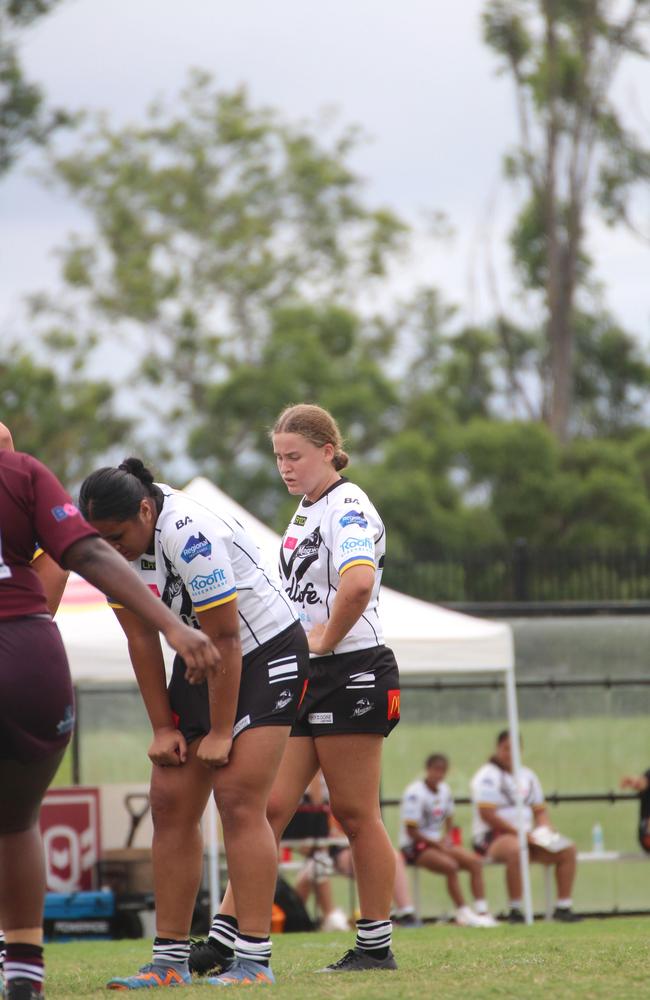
(427, 639)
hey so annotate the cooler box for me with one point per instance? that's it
(70, 915)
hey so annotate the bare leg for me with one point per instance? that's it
(401, 890)
(440, 861)
(505, 850)
(352, 765)
(565, 867)
(470, 862)
(242, 790)
(298, 766)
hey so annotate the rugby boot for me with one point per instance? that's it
(150, 977)
(22, 989)
(243, 972)
(357, 960)
(208, 958)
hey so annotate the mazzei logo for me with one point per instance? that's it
(199, 584)
(237, 728)
(393, 704)
(196, 545)
(320, 718)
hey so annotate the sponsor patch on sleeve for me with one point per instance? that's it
(196, 545)
(290, 543)
(60, 513)
(354, 517)
(393, 703)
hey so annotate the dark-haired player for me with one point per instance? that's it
(209, 572)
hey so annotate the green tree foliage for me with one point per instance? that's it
(66, 422)
(24, 116)
(562, 57)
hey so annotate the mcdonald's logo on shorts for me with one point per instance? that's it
(393, 703)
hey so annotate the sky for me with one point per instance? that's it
(413, 74)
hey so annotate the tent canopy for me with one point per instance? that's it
(426, 638)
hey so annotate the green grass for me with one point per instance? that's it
(589, 960)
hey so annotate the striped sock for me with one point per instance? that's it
(167, 951)
(25, 961)
(3, 948)
(224, 931)
(374, 936)
(253, 949)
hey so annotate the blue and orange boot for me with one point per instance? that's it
(243, 972)
(151, 976)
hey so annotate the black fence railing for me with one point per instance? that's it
(526, 575)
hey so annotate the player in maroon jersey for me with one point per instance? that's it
(36, 698)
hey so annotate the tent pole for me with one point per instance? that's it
(513, 728)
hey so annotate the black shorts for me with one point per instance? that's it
(354, 692)
(36, 696)
(273, 681)
(412, 851)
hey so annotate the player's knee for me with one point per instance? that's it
(352, 822)
(167, 809)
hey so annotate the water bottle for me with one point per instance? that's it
(597, 839)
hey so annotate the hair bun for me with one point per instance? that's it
(137, 468)
(340, 461)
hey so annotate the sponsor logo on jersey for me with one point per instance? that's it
(308, 548)
(66, 510)
(351, 500)
(354, 517)
(243, 722)
(305, 595)
(357, 545)
(196, 545)
(363, 706)
(300, 520)
(147, 564)
(290, 543)
(184, 521)
(320, 718)
(284, 698)
(393, 704)
(199, 584)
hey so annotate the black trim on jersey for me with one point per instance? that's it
(378, 643)
(310, 503)
(279, 590)
(249, 628)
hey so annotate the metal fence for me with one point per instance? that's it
(522, 574)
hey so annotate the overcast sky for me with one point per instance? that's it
(413, 73)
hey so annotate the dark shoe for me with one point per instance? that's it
(566, 915)
(206, 956)
(22, 989)
(409, 920)
(516, 917)
(356, 960)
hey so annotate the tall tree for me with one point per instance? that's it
(24, 115)
(562, 57)
(206, 218)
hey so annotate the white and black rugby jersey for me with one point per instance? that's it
(325, 538)
(427, 809)
(492, 786)
(203, 559)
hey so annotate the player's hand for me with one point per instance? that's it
(637, 784)
(168, 748)
(315, 640)
(214, 750)
(195, 648)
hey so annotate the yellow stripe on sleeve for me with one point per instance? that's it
(215, 604)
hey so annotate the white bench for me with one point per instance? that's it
(584, 857)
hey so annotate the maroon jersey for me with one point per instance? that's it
(33, 505)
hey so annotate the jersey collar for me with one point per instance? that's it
(310, 503)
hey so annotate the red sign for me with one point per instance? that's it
(69, 824)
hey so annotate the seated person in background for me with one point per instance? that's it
(641, 784)
(425, 840)
(494, 830)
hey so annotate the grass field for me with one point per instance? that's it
(588, 960)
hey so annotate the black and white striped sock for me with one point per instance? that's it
(224, 931)
(168, 951)
(374, 936)
(25, 961)
(3, 948)
(253, 949)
